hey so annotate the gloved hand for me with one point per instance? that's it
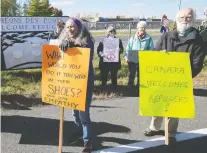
(66, 44)
(101, 54)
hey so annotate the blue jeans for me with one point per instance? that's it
(82, 119)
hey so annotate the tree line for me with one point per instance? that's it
(32, 8)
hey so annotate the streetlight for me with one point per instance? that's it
(179, 4)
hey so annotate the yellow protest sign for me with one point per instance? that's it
(65, 76)
(166, 87)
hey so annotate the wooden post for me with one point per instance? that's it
(166, 131)
(61, 130)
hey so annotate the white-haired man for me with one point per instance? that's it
(185, 38)
(140, 41)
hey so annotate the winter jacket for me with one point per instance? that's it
(135, 43)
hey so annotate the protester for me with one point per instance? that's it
(185, 38)
(59, 27)
(203, 33)
(106, 67)
(140, 41)
(164, 25)
(76, 34)
(203, 26)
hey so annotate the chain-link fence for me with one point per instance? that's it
(125, 25)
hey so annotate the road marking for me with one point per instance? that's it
(154, 142)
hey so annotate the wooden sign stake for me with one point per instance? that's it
(166, 131)
(61, 130)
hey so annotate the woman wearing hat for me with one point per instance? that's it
(106, 67)
(75, 34)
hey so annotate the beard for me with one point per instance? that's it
(182, 27)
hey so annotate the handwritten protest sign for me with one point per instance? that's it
(111, 50)
(166, 87)
(54, 42)
(64, 76)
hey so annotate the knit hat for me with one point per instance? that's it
(110, 29)
(77, 22)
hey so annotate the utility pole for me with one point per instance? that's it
(179, 5)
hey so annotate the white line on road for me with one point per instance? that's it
(154, 142)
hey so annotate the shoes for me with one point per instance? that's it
(87, 147)
(148, 132)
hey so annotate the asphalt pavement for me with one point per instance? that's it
(115, 122)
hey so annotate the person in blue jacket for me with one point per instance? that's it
(77, 35)
(140, 41)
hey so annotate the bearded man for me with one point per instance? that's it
(185, 38)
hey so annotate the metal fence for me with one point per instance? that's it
(125, 25)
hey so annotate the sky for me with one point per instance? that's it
(129, 8)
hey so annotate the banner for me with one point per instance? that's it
(65, 76)
(30, 23)
(166, 87)
(111, 50)
(22, 40)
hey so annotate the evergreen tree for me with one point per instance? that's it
(45, 8)
(34, 8)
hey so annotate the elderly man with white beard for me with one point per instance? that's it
(185, 38)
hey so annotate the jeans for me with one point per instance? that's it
(82, 119)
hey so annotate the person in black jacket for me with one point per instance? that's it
(185, 38)
(106, 67)
(59, 27)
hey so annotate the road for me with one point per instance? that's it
(115, 122)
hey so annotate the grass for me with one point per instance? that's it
(28, 82)
(23, 87)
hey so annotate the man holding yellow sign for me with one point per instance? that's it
(184, 39)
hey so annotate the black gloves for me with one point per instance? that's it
(66, 44)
